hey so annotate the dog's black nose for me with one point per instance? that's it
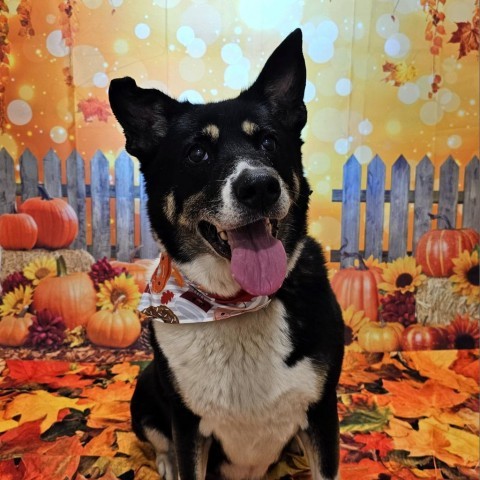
(258, 190)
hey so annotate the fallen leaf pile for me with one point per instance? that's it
(410, 415)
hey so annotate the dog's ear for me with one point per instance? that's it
(143, 114)
(282, 81)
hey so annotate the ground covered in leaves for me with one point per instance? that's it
(403, 416)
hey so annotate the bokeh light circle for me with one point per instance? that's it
(318, 163)
(236, 76)
(100, 79)
(321, 50)
(431, 113)
(365, 127)
(56, 44)
(142, 31)
(397, 45)
(310, 92)
(197, 48)
(231, 53)
(454, 141)
(191, 96)
(408, 93)
(19, 112)
(205, 20)
(58, 134)
(185, 35)
(343, 87)
(342, 146)
(327, 29)
(386, 25)
(92, 3)
(363, 154)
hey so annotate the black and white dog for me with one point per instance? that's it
(228, 201)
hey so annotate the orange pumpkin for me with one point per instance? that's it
(140, 270)
(357, 286)
(436, 248)
(72, 296)
(56, 220)
(18, 231)
(14, 329)
(117, 329)
(381, 336)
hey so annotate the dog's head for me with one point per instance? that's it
(226, 193)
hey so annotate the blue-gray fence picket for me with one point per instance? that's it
(400, 198)
(100, 190)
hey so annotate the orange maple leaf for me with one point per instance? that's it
(399, 73)
(125, 372)
(410, 400)
(468, 36)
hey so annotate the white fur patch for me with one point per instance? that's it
(233, 375)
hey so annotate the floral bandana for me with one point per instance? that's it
(170, 298)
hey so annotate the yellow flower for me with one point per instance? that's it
(465, 280)
(373, 263)
(40, 268)
(402, 274)
(14, 302)
(120, 292)
(354, 320)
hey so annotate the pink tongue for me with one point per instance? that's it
(259, 261)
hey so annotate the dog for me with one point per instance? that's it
(228, 201)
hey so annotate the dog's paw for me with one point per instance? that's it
(164, 466)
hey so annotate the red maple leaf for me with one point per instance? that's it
(375, 441)
(167, 295)
(468, 36)
(36, 371)
(92, 108)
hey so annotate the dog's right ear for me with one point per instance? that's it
(143, 114)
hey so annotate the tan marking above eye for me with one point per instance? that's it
(249, 127)
(169, 207)
(212, 131)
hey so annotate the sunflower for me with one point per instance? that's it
(119, 292)
(354, 320)
(463, 332)
(40, 268)
(16, 301)
(465, 280)
(402, 274)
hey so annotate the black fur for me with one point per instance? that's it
(163, 133)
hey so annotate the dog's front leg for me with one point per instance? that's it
(191, 447)
(320, 440)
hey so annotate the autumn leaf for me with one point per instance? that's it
(9, 470)
(436, 365)
(467, 36)
(366, 469)
(365, 419)
(125, 372)
(41, 405)
(113, 392)
(467, 365)
(451, 445)
(102, 444)
(399, 73)
(354, 370)
(93, 108)
(167, 295)
(375, 441)
(21, 438)
(410, 400)
(36, 371)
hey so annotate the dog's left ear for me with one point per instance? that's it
(282, 81)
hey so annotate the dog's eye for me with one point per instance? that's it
(197, 154)
(268, 143)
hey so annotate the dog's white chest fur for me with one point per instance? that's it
(233, 375)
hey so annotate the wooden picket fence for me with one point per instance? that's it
(100, 190)
(400, 197)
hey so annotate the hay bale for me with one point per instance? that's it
(436, 303)
(14, 260)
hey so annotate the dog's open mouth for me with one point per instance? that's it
(258, 261)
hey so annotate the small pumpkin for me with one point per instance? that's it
(424, 337)
(71, 296)
(18, 231)
(141, 270)
(117, 329)
(14, 329)
(381, 336)
(56, 220)
(436, 248)
(357, 286)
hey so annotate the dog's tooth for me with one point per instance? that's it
(223, 235)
